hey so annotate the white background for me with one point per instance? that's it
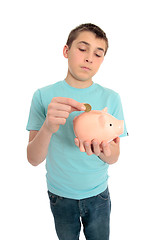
(33, 34)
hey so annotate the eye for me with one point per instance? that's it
(111, 124)
(98, 56)
(82, 50)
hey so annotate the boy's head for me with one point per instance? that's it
(89, 27)
(85, 50)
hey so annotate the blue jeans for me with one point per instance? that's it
(93, 212)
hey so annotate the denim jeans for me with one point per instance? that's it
(93, 212)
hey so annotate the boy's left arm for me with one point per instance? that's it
(107, 152)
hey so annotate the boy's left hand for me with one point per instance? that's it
(94, 147)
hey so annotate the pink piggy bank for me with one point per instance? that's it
(97, 124)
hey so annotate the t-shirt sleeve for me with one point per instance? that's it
(118, 113)
(37, 113)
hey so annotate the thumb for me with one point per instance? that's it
(117, 140)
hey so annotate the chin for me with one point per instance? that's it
(83, 78)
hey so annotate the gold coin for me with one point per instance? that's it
(88, 107)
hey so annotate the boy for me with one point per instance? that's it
(77, 181)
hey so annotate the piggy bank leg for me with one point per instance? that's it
(82, 149)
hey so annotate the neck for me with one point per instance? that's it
(76, 83)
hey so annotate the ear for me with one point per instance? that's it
(65, 51)
(105, 109)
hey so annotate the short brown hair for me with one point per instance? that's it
(90, 28)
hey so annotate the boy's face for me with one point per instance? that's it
(85, 56)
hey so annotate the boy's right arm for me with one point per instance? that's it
(57, 113)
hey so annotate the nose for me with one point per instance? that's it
(89, 58)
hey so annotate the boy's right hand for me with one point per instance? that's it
(58, 111)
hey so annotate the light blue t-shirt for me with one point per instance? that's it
(71, 173)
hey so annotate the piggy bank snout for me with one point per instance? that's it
(120, 127)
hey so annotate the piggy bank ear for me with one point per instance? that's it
(102, 120)
(105, 109)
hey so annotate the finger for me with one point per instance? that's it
(87, 147)
(77, 142)
(57, 113)
(96, 147)
(55, 106)
(75, 106)
(106, 149)
(57, 121)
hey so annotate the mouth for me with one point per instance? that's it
(85, 68)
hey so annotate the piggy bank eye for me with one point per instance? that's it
(111, 124)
